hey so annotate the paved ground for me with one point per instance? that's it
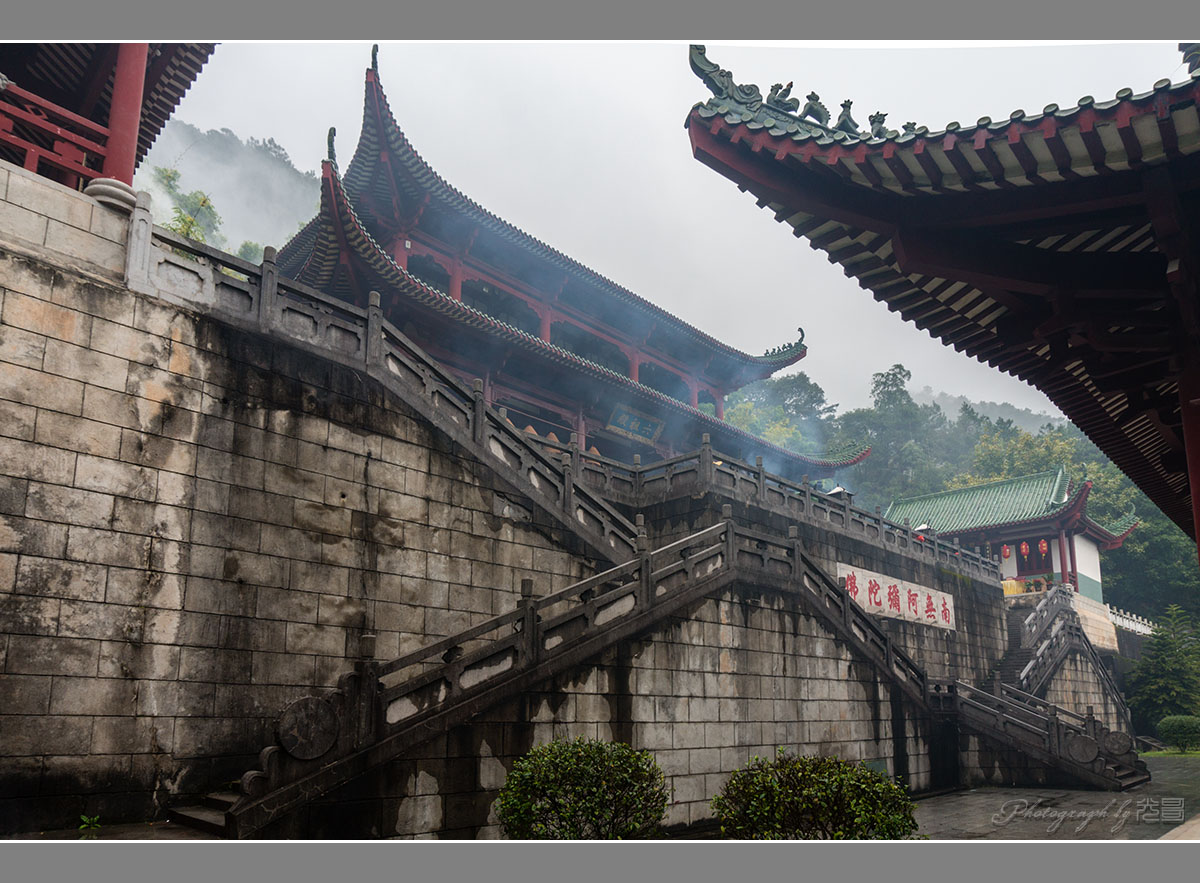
(979, 814)
(1146, 813)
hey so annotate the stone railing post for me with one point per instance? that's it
(139, 247)
(761, 478)
(645, 584)
(268, 291)
(568, 500)
(706, 462)
(368, 695)
(797, 551)
(529, 637)
(730, 538)
(576, 460)
(479, 415)
(373, 351)
(637, 477)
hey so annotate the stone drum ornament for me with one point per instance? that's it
(307, 728)
(1083, 749)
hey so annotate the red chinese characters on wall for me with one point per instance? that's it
(886, 596)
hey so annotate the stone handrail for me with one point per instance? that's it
(255, 297)
(1067, 636)
(1131, 622)
(640, 485)
(1080, 744)
(388, 707)
(1047, 611)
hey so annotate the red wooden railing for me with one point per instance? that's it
(50, 140)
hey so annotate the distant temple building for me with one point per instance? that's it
(564, 350)
(1038, 525)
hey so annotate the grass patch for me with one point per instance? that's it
(1195, 752)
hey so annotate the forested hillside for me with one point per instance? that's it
(919, 449)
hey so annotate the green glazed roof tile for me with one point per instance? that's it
(1010, 501)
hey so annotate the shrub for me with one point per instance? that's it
(583, 790)
(1180, 730)
(812, 798)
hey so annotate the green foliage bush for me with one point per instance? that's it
(583, 790)
(812, 798)
(1180, 730)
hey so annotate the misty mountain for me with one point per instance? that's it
(1023, 418)
(253, 185)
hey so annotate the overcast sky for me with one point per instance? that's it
(582, 145)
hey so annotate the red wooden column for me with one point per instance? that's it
(456, 277)
(719, 400)
(125, 113)
(634, 364)
(544, 318)
(1189, 407)
(1062, 555)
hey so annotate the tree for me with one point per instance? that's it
(1166, 680)
(194, 215)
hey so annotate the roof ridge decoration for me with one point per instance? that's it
(778, 112)
(995, 482)
(1191, 56)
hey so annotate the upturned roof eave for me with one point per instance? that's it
(336, 205)
(423, 176)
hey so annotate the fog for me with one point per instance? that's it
(583, 146)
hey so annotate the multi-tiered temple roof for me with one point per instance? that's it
(563, 348)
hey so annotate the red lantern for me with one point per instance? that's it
(1005, 552)
(1024, 549)
(1043, 548)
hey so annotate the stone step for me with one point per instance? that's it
(220, 800)
(202, 818)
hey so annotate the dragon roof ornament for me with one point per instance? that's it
(786, 349)
(779, 111)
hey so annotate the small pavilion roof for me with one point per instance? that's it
(386, 166)
(1048, 245)
(996, 504)
(1049, 497)
(338, 226)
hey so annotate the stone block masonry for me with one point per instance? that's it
(738, 676)
(197, 526)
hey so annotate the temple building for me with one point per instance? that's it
(567, 353)
(1059, 245)
(1037, 524)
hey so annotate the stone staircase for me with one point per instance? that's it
(381, 710)
(1016, 657)
(1077, 745)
